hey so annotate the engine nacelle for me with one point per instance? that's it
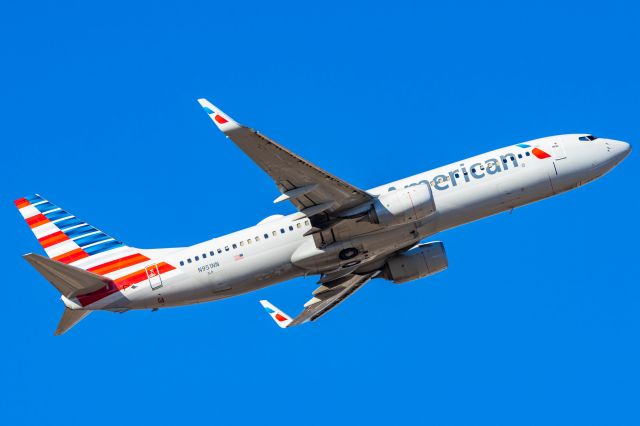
(419, 262)
(402, 206)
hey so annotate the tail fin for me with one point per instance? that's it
(63, 236)
(70, 318)
(104, 260)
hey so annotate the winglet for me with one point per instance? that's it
(283, 320)
(222, 120)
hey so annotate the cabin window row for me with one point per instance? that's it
(242, 243)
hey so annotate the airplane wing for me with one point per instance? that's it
(325, 298)
(311, 189)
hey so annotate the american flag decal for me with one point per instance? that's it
(238, 256)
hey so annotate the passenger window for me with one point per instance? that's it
(211, 253)
(306, 222)
(298, 225)
(282, 230)
(457, 175)
(219, 251)
(197, 258)
(527, 153)
(257, 239)
(204, 255)
(241, 243)
(512, 158)
(235, 246)
(273, 233)
(519, 155)
(189, 260)
(181, 263)
(266, 236)
(249, 241)
(504, 160)
(473, 170)
(290, 228)
(226, 248)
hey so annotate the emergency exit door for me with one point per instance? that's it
(153, 274)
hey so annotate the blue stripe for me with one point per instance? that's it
(523, 145)
(68, 223)
(81, 230)
(33, 199)
(85, 241)
(99, 248)
(58, 214)
(45, 207)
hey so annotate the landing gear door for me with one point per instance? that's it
(153, 274)
(557, 151)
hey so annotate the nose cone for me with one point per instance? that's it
(619, 150)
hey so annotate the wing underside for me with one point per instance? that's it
(325, 298)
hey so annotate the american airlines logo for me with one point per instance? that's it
(490, 166)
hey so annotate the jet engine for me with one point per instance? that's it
(419, 262)
(402, 206)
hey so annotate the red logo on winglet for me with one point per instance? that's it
(220, 119)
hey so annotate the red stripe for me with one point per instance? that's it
(121, 283)
(21, 202)
(71, 256)
(37, 220)
(53, 239)
(117, 264)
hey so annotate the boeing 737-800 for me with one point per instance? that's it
(340, 232)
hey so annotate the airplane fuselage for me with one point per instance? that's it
(270, 252)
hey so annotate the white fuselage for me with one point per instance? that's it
(463, 192)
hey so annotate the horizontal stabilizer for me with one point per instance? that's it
(69, 280)
(70, 317)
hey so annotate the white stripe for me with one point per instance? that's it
(64, 218)
(29, 211)
(99, 242)
(44, 230)
(61, 248)
(104, 257)
(52, 210)
(95, 231)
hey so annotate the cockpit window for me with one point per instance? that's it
(587, 138)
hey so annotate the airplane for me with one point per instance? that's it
(345, 235)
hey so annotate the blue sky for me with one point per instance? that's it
(535, 322)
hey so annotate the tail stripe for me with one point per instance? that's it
(32, 199)
(117, 264)
(37, 220)
(46, 207)
(57, 214)
(68, 223)
(93, 238)
(71, 256)
(21, 202)
(79, 231)
(53, 239)
(99, 248)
